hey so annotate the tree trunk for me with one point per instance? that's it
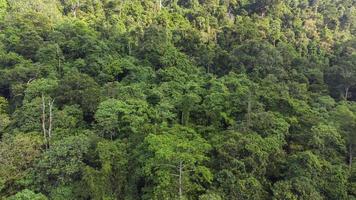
(75, 7)
(159, 4)
(263, 13)
(346, 93)
(74, 10)
(180, 179)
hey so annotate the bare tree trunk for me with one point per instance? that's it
(316, 6)
(47, 133)
(346, 93)
(75, 7)
(159, 4)
(263, 13)
(180, 179)
(44, 121)
(74, 10)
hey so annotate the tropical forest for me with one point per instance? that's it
(177, 99)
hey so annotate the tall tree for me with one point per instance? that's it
(176, 156)
(342, 73)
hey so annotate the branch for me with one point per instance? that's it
(30, 80)
(175, 175)
(168, 165)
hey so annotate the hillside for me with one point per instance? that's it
(177, 99)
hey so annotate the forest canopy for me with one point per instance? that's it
(177, 99)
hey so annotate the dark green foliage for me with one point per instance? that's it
(64, 161)
(79, 89)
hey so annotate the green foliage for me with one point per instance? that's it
(28, 118)
(210, 196)
(177, 148)
(3, 7)
(27, 195)
(4, 118)
(116, 118)
(108, 182)
(342, 73)
(80, 89)
(327, 142)
(177, 99)
(300, 188)
(17, 155)
(40, 87)
(63, 162)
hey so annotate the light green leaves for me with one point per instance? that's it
(116, 118)
(27, 195)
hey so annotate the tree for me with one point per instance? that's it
(77, 41)
(49, 9)
(299, 188)
(176, 156)
(28, 117)
(269, 123)
(80, 89)
(240, 186)
(341, 74)
(116, 118)
(262, 6)
(47, 124)
(245, 156)
(3, 7)
(4, 118)
(40, 87)
(110, 181)
(69, 118)
(345, 119)
(27, 195)
(70, 151)
(326, 180)
(43, 88)
(326, 141)
(210, 196)
(52, 55)
(154, 44)
(25, 32)
(259, 59)
(18, 154)
(216, 104)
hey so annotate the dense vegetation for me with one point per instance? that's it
(177, 99)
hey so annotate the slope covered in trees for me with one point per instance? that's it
(177, 99)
